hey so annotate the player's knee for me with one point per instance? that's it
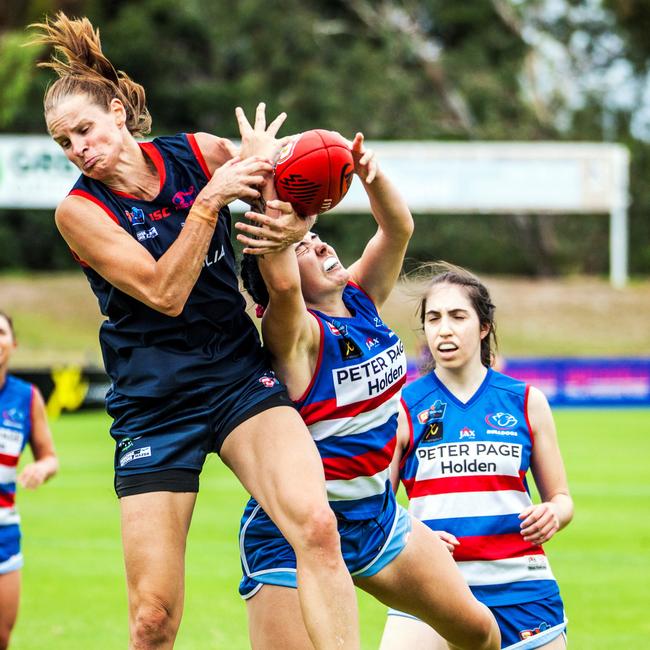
(483, 634)
(319, 530)
(153, 625)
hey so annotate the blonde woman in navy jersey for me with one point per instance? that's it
(150, 227)
(23, 421)
(345, 368)
(466, 443)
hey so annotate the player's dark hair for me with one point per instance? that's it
(6, 316)
(82, 68)
(253, 280)
(478, 294)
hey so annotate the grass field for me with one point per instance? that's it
(73, 584)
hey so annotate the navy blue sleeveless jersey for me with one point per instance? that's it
(213, 341)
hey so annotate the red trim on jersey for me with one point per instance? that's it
(407, 452)
(102, 205)
(7, 500)
(96, 201)
(8, 461)
(191, 138)
(494, 547)
(452, 484)
(530, 429)
(321, 345)
(31, 409)
(328, 410)
(368, 464)
(365, 293)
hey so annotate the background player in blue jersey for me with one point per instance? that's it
(150, 227)
(22, 421)
(344, 368)
(468, 439)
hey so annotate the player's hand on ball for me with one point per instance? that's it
(260, 139)
(271, 233)
(539, 522)
(365, 163)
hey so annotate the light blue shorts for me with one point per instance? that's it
(367, 545)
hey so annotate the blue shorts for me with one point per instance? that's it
(525, 626)
(368, 545)
(11, 559)
(173, 435)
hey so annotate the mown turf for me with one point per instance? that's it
(73, 581)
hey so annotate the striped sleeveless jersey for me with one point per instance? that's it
(15, 428)
(351, 405)
(465, 473)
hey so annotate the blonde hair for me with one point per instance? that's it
(82, 68)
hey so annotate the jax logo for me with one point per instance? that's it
(184, 199)
(136, 216)
(371, 342)
(466, 432)
(501, 420)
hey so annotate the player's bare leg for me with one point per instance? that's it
(277, 462)
(154, 532)
(425, 581)
(9, 598)
(275, 621)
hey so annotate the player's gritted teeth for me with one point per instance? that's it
(329, 264)
(447, 347)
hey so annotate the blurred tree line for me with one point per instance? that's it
(395, 69)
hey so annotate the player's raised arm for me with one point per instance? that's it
(381, 262)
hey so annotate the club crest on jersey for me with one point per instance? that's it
(268, 381)
(501, 420)
(184, 199)
(349, 349)
(135, 216)
(13, 418)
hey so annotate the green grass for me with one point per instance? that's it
(73, 581)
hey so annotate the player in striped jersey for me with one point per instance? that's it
(22, 421)
(344, 369)
(469, 437)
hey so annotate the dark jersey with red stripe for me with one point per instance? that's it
(213, 341)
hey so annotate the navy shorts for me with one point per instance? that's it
(11, 559)
(367, 545)
(525, 626)
(162, 443)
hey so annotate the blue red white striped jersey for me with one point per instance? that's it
(351, 405)
(213, 341)
(465, 473)
(15, 428)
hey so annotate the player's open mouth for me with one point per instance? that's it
(447, 347)
(329, 264)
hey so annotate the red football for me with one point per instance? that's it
(314, 171)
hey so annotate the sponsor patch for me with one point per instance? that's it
(433, 432)
(184, 199)
(11, 442)
(135, 216)
(142, 235)
(13, 418)
(135, 454)
(466, 432)
(537, 562)
(267, 381)
(349, 349)
(371, 342)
